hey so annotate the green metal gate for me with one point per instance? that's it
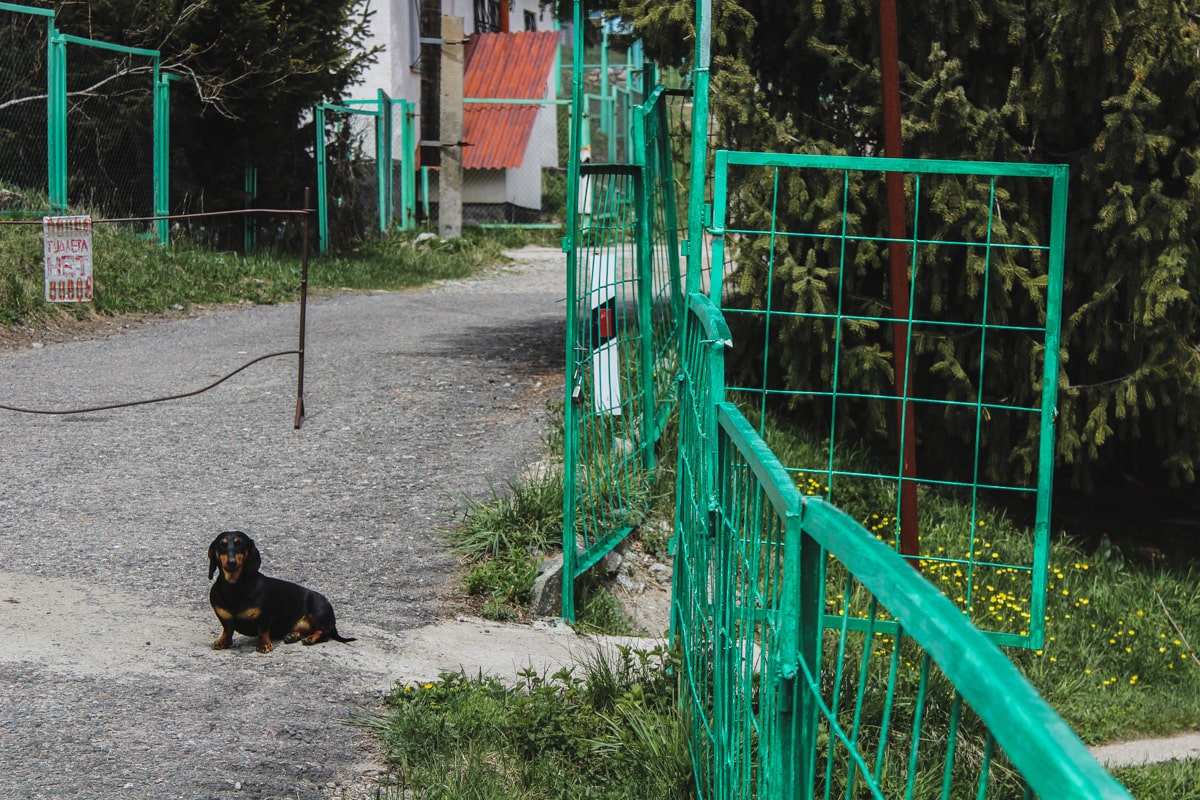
(609, 413)
(624, 314)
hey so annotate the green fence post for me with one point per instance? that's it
(56, 122)
(699, 155)
(425, 192)
(322, 178)
(606, 122)
(383, 158)
(645, 300)
(642, 195)
(1050, 364)
(250, 192)
(558, 87)
(162, 152)
(408, 168)
(810, 607)
(570, 246)
(638, 137)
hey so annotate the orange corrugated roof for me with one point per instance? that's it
(504, 66)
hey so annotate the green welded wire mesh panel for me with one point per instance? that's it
(623, 326)
(754, 609)
(609, 419)
(803, 249)
(693, 581)
(653, 144)
(913, 700)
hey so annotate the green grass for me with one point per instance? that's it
(1119, 660)
(134, 274)
(608, 729)
(502, 539)
(1170, 780)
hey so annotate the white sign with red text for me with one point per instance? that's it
(68, 250)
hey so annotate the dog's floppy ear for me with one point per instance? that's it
(212, 556)
(253, 557)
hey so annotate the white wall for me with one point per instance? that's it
(394, 26)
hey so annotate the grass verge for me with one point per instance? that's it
(134, 274)
(609, 729)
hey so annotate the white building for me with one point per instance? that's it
(500, 182)
(395, 27)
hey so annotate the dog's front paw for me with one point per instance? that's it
(291, 638)
(223, 643)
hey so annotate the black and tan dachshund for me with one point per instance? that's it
(269, 609)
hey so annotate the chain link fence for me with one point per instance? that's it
(24, 73)
(110, 128)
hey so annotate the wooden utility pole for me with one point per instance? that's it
(450, 177)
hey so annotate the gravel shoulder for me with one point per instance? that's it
(413, 399)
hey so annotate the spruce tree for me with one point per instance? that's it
(1110, 88)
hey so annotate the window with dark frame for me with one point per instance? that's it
(487, 16)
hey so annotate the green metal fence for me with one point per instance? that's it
(366, 168)
(623, 321)
(624, 315)
(610, 416)
(112, 126)
(83, 122)
(652, 144)
(802, 249)
(899, 697)
(24, 75)
(86, 124)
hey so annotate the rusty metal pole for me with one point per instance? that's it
(906, 439)
(303, 310)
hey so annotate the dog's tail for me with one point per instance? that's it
(333, 634)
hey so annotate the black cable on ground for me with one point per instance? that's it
(130, 404)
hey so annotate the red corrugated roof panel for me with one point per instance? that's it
(506, 66)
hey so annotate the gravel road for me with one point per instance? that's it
(108, 682)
